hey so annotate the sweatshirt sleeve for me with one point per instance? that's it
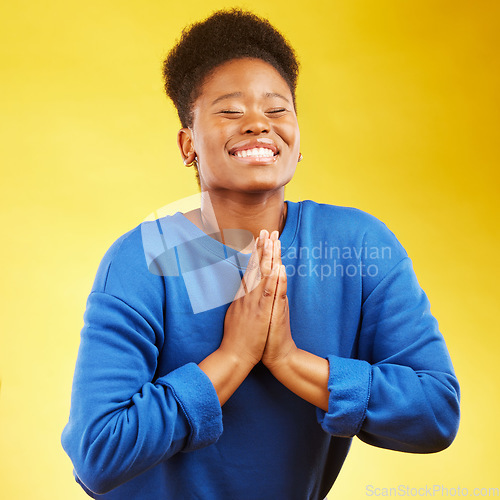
(400, 392)
(124, 419)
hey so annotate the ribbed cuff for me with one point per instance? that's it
(197, 397)
(349, 385)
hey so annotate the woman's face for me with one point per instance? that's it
(245, 133)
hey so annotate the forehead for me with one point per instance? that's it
(247, 77)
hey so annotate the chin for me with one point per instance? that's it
(262, 183)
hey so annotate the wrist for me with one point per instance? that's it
(282, 365)
(235, 359)
(305, 374)
(225, 371)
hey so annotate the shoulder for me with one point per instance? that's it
(337, 214)
(124, 263)
(139, 259)
(354, 239)
(350, 225)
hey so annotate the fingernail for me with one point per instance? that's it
(266, 244)
(262, 234)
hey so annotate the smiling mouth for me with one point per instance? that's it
(258, 153)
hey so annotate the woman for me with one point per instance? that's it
(181, 391)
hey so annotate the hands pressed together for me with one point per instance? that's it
(257, 325)
(257, 328)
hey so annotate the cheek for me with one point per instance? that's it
(213, 142)
(291, 134)
(211, 152)
(207, 147)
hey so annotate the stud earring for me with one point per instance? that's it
(300, 157)
(194, 163)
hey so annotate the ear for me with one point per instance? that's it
(186, 145)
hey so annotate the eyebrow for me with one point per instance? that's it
(274, 94)
(267, 95)
(227, 96)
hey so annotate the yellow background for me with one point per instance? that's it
(398, 107)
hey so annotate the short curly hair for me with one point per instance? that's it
(225, 35)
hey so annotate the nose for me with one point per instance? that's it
(255, 123)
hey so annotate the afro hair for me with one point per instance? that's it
(225, 35)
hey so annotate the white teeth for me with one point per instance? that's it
(255, 152)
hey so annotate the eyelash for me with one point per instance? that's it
(231, 112)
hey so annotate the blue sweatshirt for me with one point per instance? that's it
(145, 421)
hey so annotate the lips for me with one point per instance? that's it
(262, 149)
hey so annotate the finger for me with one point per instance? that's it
(268, 288)
(253, 272)
(276, 252)
(282, 284)
(266, 263)
(267, 296)
(280, 304)
(255, 275)
(243, 288)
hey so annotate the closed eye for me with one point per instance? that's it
(276, 111)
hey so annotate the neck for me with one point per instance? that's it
(236, 220)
